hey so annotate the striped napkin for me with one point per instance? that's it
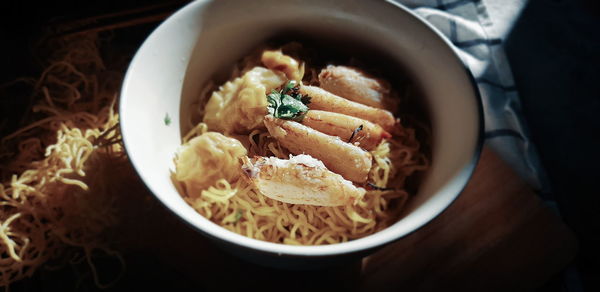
(477, 35)
(477, 29)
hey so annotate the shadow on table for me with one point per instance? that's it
(554, 52)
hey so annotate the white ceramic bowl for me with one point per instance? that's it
(206, 37)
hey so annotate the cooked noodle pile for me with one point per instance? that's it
(236, 205)
(55, 194)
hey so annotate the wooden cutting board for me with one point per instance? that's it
(497, 236)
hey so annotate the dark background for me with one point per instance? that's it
(554, 52)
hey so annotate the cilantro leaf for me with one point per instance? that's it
(167, 119)
(305, 99)
(238, 215)
(290, 85)
(378, 188)
(358, 129)
(288, 103)
(274, 101)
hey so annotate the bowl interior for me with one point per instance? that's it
(202, 41)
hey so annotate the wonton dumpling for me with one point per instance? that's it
(206, 159)
(276, 60)
(240, 105)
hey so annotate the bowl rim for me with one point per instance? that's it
(349, 247)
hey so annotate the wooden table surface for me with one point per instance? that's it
(497, 236)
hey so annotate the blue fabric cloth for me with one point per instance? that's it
(478, 28)
(478, 39)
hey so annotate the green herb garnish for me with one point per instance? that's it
(378, 188)
(358, 129)
(167, 119)
(288, 103)
(238, 215)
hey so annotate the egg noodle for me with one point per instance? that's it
(55, 197)
(236, 205)
(64, 170)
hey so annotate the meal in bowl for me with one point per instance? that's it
(298, 151)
